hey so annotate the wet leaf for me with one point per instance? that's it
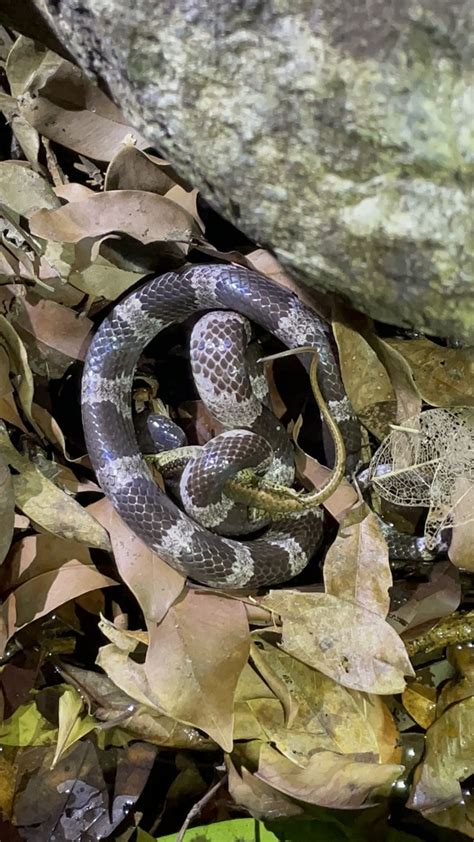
(420, 702)
(44, 572)
(356, 567)
(342, 640)
(328, 779)
(206, 641)
(443, 376)
(449, 759)
(72, 727)
(147, 217)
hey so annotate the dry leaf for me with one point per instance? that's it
(326, 717)
(329, 780)
(71, 727)
(356, 567)
(443, 376)
(132, 169)
(366, 381)
(7, 510)
(18, 357)
(55, 333)
(429, 601)
(194, 660)
(342, 640)
(257, 797)
(147, 217)
(86, 120)
(154, 583)
(23, 190)
(128, 675)
(45, 572)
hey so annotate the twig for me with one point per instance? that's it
(196, 809)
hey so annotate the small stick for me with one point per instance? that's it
(196, 809)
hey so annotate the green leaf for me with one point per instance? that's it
(27, 727)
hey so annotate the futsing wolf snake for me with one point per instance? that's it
(111, 441)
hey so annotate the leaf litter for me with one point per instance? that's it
(146, 700)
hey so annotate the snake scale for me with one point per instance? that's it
(123, 474)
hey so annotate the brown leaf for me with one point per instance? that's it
(356, 567)
(132, 169)
(365, 379)
(194, 660)
(449, 759)
(420, 703)
(147, 217)
(54, 328)
(443, 376)
(104, 280)
(328, 780)
(186, 199)
(326, 715)
(44, 573)
(429, 601)
(18, 357)
(342, 640)
(461, 551)
(64, 106)
(257, 797)
(401, 377)
(23, 190)
(154, 583)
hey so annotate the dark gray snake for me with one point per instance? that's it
(111, 441)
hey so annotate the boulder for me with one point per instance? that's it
(338, 133)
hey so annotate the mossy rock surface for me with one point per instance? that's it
(339, 133)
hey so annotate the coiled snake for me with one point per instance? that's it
(111, 441)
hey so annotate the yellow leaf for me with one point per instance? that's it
(71, 726)
(27, 727)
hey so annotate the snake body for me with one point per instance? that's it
(110, 437)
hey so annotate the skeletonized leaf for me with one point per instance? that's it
(356, 567)
(147, 217)
(194, 660)
(44, 573)
(329, 780)
(342, 640)
(443, 376)
(72, 727)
